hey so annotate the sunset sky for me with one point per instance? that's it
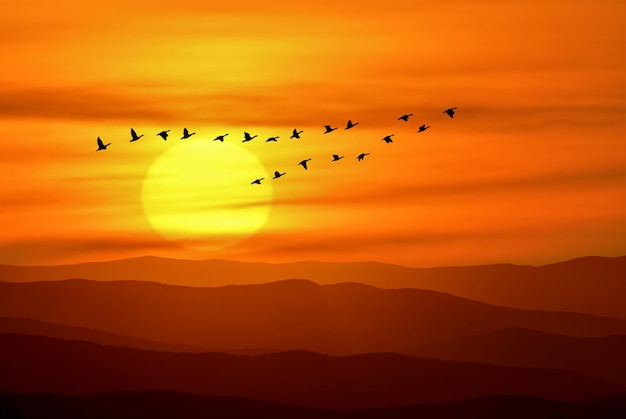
(531, 170)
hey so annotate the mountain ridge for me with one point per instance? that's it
(590, 284)
(47, 365)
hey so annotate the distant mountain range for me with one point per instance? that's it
(365, 340)
(294, 314)
(35, 364)
(591, 285)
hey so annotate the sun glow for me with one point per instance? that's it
(199, 194)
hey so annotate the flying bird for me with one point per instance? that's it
(275, 139)
(277, 174)
(423, 128)
(186, 134)
(134, 135)
(388, 139)
(296, 134)
(257, 182)
(101, 145)
(337, 157)
(449, 112)
(303, 163)
(350, 124)
(220, 138)
(362, 156)
(405, 117)
(163, 134)
(248, 137)
(329, 129)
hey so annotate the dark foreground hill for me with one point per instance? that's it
(167, 405)
(602, 357)
(32, 364)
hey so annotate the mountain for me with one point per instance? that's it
(37, 364)
(588, 285)
(294, 314)
(601, 357)
(167, 405)
(39, 328)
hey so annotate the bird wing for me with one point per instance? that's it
(100, 143)
(133, 133)
(276, 173)
(185, 132)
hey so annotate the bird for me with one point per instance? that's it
(101, 145)
(275, 139)
(388, 139)
(329, 129)
(337, 157)
(248, 137)
(186, 134)
(134, 135)
(277, 174)
(405, 117)
(296, 134)
(257, 182)
(220, 138)
(450, 112)
(362, 156)
(163, 134)
(303, 163)
(423, 128)
(350, 124)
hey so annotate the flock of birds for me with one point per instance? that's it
(295, 135)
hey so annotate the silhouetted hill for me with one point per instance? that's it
(39, 328)
(168, 405)
(602, 357)
(588, 285)
(295, 314)
(46, 365)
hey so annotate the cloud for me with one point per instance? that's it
(76, 103)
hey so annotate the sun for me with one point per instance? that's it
(199, 194)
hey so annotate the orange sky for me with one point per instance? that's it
(531, 170)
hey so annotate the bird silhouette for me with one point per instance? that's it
(186, 134)
(423, 128)
(449, 112)
(362, 156)
(220, 138)
(134, 135)
(101, 145)
(275, 139)
(257, 182)
(303, 163)
(388, 139)
(248, 137)
(163, 134)
(277, 174)
(337, 157)
(405, 117)
(296, 134)
(329, 129)
(350, 124)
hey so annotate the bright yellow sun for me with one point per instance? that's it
(199, 194)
